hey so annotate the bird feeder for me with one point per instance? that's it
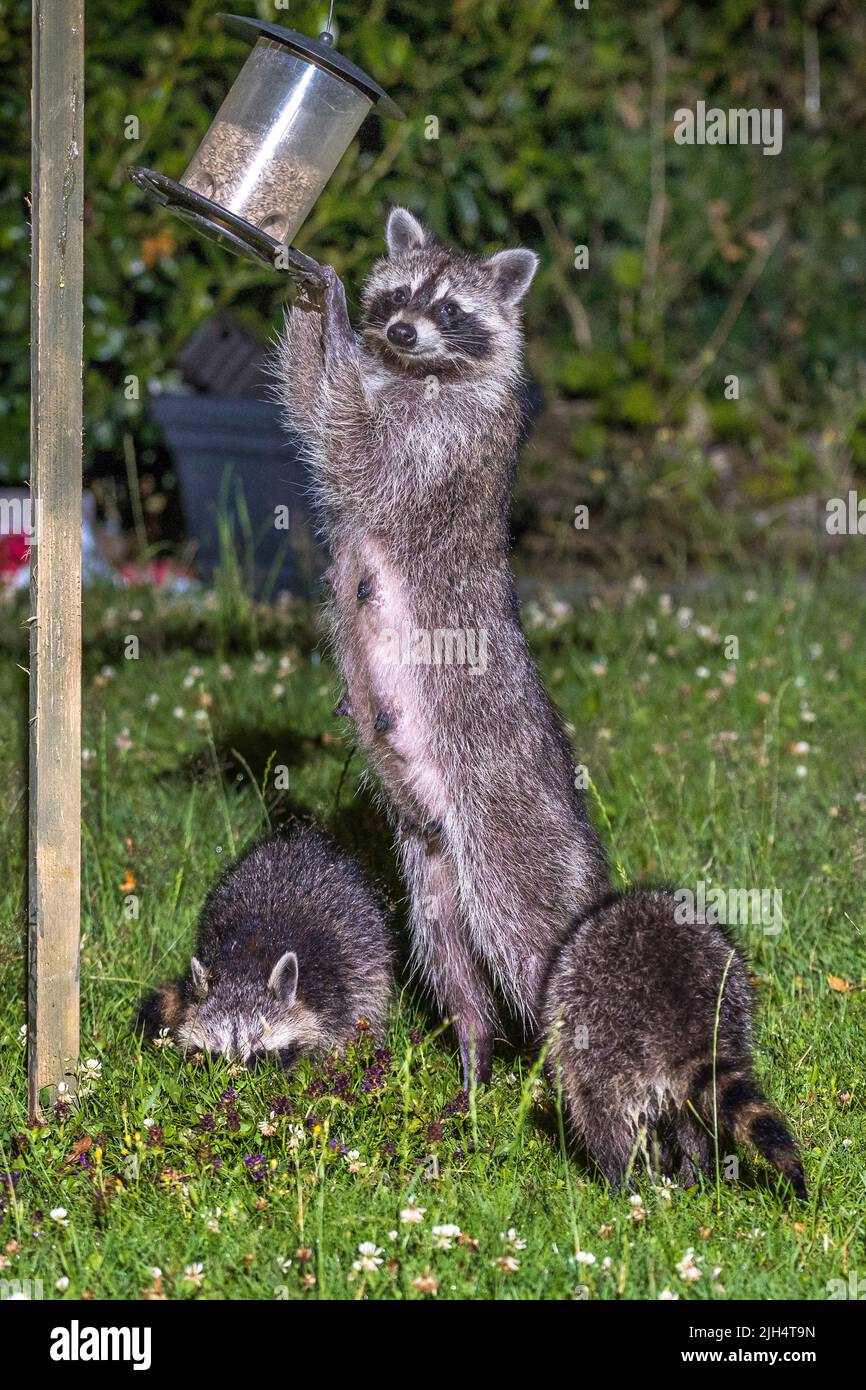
(276, 140)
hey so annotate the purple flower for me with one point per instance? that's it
(340, 1082)
(458, 1106)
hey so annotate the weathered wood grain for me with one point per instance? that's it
(55, 481)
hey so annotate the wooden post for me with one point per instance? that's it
(55, 560)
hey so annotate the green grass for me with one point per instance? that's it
(691, 779)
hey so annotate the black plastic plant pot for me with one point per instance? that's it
(238, 470)
(279, 135)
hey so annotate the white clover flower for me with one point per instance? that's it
(637, 1210)
(687, 1267)
(412, 1216)
(514, 1241)
(370, 1260)
(194, 1274)
(584, 1257)
(443, 1236)
(60, 1215)
(284, 1264)
(667, 1297)
(62, 1284)
(294, 1136)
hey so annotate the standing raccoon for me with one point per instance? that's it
(413, 430)
(630, 1010)
(292, 953)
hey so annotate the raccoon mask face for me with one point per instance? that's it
(243, 1019)
(428, 310)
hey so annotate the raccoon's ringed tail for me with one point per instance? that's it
(744, 1111)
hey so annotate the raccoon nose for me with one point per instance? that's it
(402, 335)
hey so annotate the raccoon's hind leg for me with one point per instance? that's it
(441, 954)
(615, 1150)
(696, 1149)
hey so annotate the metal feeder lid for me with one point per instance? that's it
(318, 51)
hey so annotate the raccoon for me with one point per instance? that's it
(412, 430)
(292, 957)
(630, 1013)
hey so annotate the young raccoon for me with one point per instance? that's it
(630, 1011)
(292, 952)
(412, 430)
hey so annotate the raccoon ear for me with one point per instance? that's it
(283, 979)
(513, 272)
(199, 974)
(403, 232)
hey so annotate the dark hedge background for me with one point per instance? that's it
(555, 129)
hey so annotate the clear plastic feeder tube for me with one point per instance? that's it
(276, 140)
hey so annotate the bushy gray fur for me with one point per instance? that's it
(412, 429)
(630, 1009)
(293, 954)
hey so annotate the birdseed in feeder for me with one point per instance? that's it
(275, 194)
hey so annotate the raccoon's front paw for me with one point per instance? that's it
(310, 297)
(333, 293)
